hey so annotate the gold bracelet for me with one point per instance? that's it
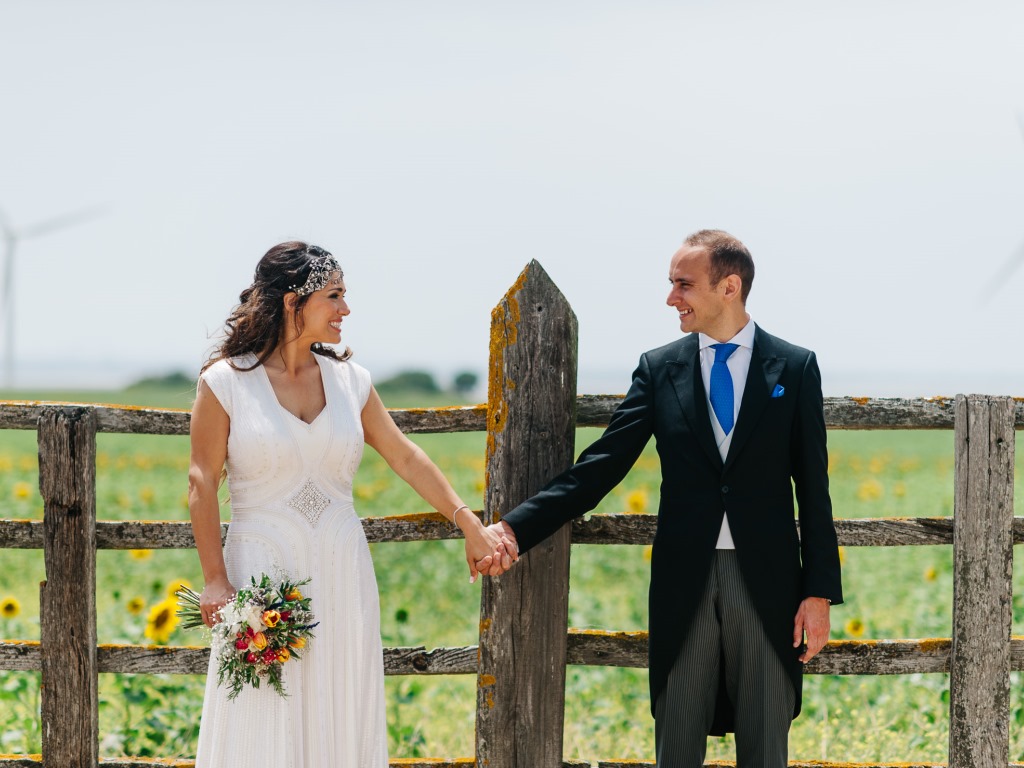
(455, 514)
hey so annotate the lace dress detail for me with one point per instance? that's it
(292, 514)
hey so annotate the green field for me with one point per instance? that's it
(902, 592)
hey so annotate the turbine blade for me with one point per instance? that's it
(61, 222)
(1004, 274)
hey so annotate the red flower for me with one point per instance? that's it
(269, 656)
(241, 644)
(251, 657)
(286, 615)
(250, 632)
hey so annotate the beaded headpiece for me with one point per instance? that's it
(321, 267)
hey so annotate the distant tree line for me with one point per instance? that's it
(404, 381)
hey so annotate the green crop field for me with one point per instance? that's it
(901, 592)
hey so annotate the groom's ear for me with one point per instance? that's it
(733, 285)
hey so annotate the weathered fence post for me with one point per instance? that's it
(531, 417)
(67, 599)
(979, 683)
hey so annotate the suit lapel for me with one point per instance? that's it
(762, 376)
(689, 387)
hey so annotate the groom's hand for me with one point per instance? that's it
(811, 620)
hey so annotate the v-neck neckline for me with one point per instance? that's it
(327, 397)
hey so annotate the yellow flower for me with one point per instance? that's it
(140, 554)
(930, 573)
(899, 490)
(175, 585)
(297, 642)
(877, 464)
(146, 495)
(259, 641)
(10, 607)
(869, 490)
(162, 621)
(135, 606)
(270, 618)
(293, 594)
(28, 463)
(283, 655)
(22, 490)
(636, 502)
(6, 465)
(855, 627)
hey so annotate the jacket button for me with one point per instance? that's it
(725, 489)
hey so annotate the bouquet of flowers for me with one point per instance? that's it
(264, 626)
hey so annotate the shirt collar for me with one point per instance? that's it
(745, 338)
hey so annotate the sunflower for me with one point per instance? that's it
(161, 621)
(854, 627)
(140, 554)
(636, 502)
(10, 607)
(135, 606)
(22, 490)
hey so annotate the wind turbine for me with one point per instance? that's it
(1016, 258)
(12, 236)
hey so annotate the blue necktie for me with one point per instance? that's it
(721, 386)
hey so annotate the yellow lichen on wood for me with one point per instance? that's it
(504, 333)
(861, 400)
(485, 681)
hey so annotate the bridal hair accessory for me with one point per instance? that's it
(321, 267)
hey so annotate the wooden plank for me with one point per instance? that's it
(979, 684)
(531, 400)
(791, 764)
(591, 647)
(592, 411)
(67, 599)
(24, 655)
(598, 529)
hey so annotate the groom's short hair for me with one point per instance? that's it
(728, 256)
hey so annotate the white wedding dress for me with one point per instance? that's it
(292, 514)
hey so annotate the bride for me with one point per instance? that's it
(288, 416)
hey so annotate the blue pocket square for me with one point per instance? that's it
(779, 391)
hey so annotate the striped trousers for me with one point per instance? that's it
(726, 636)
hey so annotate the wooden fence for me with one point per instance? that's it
(524, 643)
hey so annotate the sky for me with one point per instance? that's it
(870, 155)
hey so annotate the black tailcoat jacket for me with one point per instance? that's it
(778, 446)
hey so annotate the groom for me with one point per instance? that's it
(737, 600)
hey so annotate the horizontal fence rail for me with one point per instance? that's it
(589, 648)
(598, 529)
(591, 411)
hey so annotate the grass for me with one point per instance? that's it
(426, 600)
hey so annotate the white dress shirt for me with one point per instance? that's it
(738, 364)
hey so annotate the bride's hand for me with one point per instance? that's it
(214, 597)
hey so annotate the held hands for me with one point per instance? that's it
(812, 620)
(215, 596)
(489, 549)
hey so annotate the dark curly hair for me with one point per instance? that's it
(256, 325)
